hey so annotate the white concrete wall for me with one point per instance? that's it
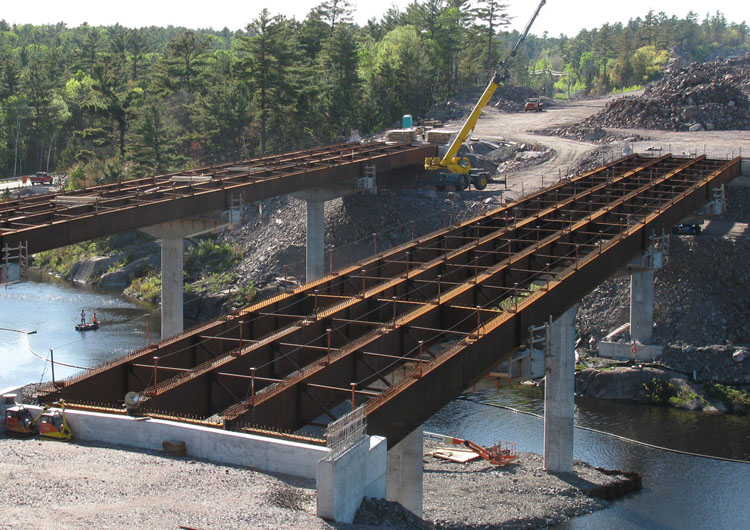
(214, 445)
(344, 481)
(405, 472)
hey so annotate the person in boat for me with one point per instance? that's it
(94, 320)
(83, 317)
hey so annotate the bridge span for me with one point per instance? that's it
(403, 332)
(53, 220)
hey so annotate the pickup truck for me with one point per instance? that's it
(41, 178)
(534, 104)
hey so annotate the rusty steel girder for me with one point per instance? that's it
(54, 220)
(408, 329)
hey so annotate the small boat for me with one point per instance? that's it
(88, 326)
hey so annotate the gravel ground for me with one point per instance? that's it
(519, 495)
(79, 485)
(55, 485)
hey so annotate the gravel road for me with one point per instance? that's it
(79, 485)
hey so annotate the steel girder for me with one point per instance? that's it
(467, 293)
(50, 221)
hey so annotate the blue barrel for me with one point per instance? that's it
(407, 122)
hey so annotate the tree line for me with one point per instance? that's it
(109, 103)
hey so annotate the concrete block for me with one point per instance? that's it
(405, 469)
(205, 443)
(344, 481)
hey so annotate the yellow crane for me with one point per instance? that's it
(455, 170)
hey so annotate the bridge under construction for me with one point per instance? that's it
(406, 330)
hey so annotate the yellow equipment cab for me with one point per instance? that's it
(54, 426)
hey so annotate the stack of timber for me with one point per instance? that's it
(439, 136)
(401, 135)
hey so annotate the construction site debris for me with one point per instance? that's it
(526, 496)
(702, 96)
(439, 136)
(401, 135)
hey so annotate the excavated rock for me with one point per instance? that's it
(707, 96)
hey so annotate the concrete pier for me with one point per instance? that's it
(315, 240)
(641, 305)
(558, 394)
(172, 267)
(171, 284)
(405, 469)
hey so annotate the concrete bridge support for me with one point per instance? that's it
(405, 468)
(641, 304)
(315, 240)
(172, 234)
(558, 394)
(315, 199)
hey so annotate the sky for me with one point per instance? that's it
(556, 17)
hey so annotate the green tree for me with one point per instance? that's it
(492, 15)
(153, 142)
(269, 53)
(340, 83)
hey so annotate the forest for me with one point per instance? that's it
(102, 104)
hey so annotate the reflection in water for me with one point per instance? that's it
(680, 491)
(52, 308)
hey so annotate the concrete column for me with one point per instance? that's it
(314, 246)
(405, 467)
(559, 386)
(171, 285)
(641, 305)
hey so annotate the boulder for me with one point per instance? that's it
(135, 269)
(84, 271)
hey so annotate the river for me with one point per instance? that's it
(51, 308)
(679, 491)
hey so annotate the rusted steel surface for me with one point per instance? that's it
(408, 329)
(53, 220)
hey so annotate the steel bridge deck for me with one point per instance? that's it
(50, 220)
(406, 330)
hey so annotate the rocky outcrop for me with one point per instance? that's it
(711, 364)
(87, 270)
(121, 278)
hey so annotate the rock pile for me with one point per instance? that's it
(707, 96)
(273, 235)
(507, 98)
(584, 133)
(714, 363)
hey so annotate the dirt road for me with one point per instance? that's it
(496, 124)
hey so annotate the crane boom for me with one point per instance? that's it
(449, 161)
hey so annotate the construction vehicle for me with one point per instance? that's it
(500, 454)
(52, 424)
(534, 104)
(19, 422)
(456, 171)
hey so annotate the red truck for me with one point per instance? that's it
(534, 104)
(41, 178)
